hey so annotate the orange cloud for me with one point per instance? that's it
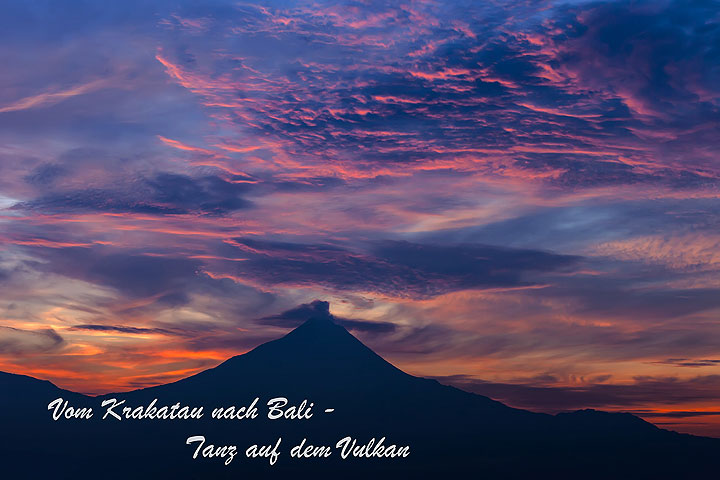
(47, 99)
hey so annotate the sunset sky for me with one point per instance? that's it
(518, 198)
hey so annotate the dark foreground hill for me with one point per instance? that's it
(449, 432)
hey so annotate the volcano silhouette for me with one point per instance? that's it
(448, 431)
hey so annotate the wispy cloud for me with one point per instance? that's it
(49, 98)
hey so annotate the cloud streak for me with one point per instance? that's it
(318, 309)
(395, 268)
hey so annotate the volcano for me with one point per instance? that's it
(354, 396)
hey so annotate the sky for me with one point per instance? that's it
(521, 199)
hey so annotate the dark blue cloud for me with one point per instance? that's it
(618, 295)
(164, 193)
(665, 53)
(133, 274)
(692, 363)
(45, 174)
(397, 268)
(209, 194)
(96, 200)
(319, 309)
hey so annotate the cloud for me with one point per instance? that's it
(164, 193)
(681, 252)
(507, 90)
(15, 341)
(125, 329)
(686, 362)
(95, 200)
(45, 174)
(617, 295)
(656, 57)
(643, 392)
(319, 309)
(677, 414)
(132, 274)
(49, 98)
(576, 226)
(396, 268)
(209, 194)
